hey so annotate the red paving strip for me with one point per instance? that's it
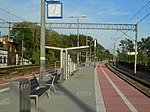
(140, 101)
(113, 102)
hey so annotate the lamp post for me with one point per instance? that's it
(78, 17)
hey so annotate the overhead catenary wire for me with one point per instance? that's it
(135, 16)
(112, 42)
(139, 11)
(12, 14)
(4, 20)
(143, 18)
(125, 33)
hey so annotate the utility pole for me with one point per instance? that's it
(86, 52)
(0, 36)
(42, 46)
(95, 42)
(87, 58)
(78, 44)
(136, 29)
(114, 57)
(90, 51)
(22, 48)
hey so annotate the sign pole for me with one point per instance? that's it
(54, 10)
(42, 46)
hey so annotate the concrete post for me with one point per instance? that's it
(78, 41)
(20, 95)
(42, 50)
(64, 64)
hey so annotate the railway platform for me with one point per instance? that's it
(89, 90)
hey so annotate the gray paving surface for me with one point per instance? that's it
(75, 95)
(4, 101)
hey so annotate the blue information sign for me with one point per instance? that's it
(54, 9)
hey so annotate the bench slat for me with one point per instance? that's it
(36, 91)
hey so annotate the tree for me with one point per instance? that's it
(53, 39)
(69, 40)
(144, 45)
(144, 50)
(126, 46)
(30, 37)
(26, 37)
(31, 42)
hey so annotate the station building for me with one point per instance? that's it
(8, 52)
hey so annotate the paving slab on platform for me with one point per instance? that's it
(75, 95)
(89, 90)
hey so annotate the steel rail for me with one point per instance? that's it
(140, 84)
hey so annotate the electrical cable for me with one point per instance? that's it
(139, 11)
(143, 18)
(135, 16)
(4, 20)
(12, 14)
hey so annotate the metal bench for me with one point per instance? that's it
(55, 77)
(36, 91)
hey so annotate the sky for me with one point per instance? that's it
(96, 11)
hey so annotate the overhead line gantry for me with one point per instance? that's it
(98, 26)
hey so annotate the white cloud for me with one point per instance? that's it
(119, 13)
(114, 12)
(106, 11)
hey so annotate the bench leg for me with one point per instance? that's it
(48, 93)
(53, 87)
(36, 99)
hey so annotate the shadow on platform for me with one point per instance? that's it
(77, 101)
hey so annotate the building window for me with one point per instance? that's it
(0, 59)
(4, 59)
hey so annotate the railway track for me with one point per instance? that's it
(9, 72)
(138, 83)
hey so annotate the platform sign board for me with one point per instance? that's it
(54, 10)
